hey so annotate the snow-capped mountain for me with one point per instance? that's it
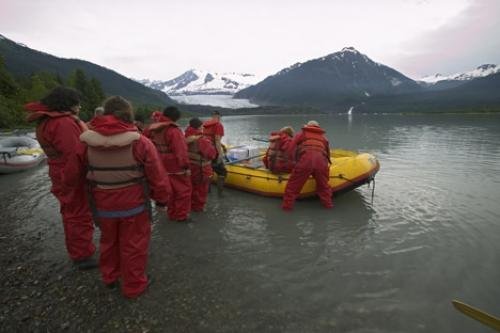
(481, 71)
(199, 82)
(339, 78)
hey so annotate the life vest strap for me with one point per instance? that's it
(122, 182)
(124, 168)
(120, 213)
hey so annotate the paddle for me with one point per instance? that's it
(260, 140)
(244, 159)
(235, 147)
(477, 314)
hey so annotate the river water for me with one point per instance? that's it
(431, 234)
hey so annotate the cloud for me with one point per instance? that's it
(468, 41)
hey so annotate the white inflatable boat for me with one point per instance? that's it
(19, 153)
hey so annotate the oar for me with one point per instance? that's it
(477, 314)
(235, 147)
(245, 159)
(260, 140)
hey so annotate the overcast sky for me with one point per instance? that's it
(160, 39)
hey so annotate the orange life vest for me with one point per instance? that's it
(274, 153)
(314, 140)
(111, 163)
(194, 153)
(43, 116)
(156, 133)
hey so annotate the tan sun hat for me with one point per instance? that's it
(288, 130)
(312, 123)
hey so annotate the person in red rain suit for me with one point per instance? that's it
(201, 152)
(58, 129)
(214, 131)
(123, 171)
(171, 144)
(278, 159)
(313, 153)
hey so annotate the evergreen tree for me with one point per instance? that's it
(92, 93)
(8, 87)
(10, 92)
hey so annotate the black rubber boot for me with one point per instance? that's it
(220, 185)
(112, 285)
(86, 264)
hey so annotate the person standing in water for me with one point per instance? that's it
(313, 158)
(214, 131)
(201, 153)
(171, 145)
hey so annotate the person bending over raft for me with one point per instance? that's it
(123, 171)
(277, 158)
(171, 144)
(214, 131)
(313, 158)
(201, 152)
(58, 129)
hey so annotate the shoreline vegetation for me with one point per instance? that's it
(17, 91)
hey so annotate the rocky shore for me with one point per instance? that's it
(41, 291)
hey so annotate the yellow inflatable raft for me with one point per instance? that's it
(348, 171)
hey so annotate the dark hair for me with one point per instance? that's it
(195, 123)
(172, 112)
(139, 117)
(120, 108)
(216, 113)
(61, 99)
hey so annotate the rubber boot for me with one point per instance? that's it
(220, 185)
(85, 264)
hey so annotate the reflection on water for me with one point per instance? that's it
(431, 235)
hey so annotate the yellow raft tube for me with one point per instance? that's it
(348, 171)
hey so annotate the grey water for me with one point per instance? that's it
(430, 235)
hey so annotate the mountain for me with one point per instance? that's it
(480, 94)
(338, 79)
(442, 82)
(481, 71)
(23, 61)
(198, 82)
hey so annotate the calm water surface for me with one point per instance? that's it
(432, 234)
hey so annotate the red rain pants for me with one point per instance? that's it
(124, 252)
(77, 221)
(179, 205)
(311, 163)
(200, 178)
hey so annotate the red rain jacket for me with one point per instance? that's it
(211, 128)
(126, 197)
(171, 144)
(58, 132)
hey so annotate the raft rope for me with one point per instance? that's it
(372, 179)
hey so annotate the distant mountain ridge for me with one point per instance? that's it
(443, 82)
(23, 61)
(480, 71)
(200, 82)
(479, 94)
(340, 78)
